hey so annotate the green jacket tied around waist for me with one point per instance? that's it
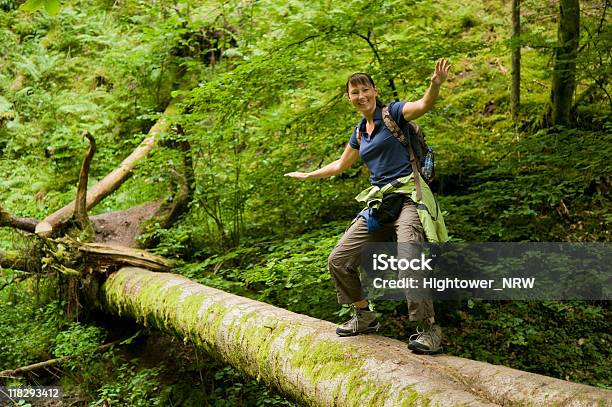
(427, 208)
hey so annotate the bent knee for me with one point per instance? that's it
(339, 260)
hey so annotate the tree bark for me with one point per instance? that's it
(304, 359)
(516, 59)
(564, 74)
(111, 182)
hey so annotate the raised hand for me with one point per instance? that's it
(441, 72)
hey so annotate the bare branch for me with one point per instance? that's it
(80, 210)
(119, 255)
(368, 39)
(26, 224)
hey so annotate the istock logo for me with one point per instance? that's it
(383, 262)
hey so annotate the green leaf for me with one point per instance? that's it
(31, 5)
(5, 105)
(52, 7)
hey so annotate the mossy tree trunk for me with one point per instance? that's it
(304, 359)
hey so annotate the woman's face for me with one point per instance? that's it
(363, 97)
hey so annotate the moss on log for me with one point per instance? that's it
(304, 359)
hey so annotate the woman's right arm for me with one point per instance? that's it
(346, 161)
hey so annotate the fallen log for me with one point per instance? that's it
(111, 182)
(304, 359)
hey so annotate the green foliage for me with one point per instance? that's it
(132, 388)
(28, 326)
(197, 380)
(522, 196)
(291, 274)
(232, 391)
(77, 339)
(571, 337)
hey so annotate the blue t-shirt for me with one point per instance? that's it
(386, 158)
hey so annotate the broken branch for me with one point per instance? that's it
(178, 203)
(80, 210)
(26, 224)
(120, 255)
(111, 182)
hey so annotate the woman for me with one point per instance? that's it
(388, 161)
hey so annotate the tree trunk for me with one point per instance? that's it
(111, 182)
(516, 59)
(304, 359)
(564, 75)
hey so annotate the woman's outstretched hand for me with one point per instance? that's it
(297, 175)
(441, 72)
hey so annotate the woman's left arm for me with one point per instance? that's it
(413, 110)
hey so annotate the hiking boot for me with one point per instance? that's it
(363, 322)
(427, 341)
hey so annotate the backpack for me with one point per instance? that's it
(413, 138)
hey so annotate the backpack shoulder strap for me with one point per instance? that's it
(401, 137)
(393, 127)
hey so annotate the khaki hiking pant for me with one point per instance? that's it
(345, 259)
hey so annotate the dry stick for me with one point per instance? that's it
(111, 182)
(50, 363)
(80, 209)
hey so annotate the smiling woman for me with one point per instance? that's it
(394, 186)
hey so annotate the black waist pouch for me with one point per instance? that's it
(390, 208)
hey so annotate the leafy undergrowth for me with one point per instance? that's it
(569, 340)
(143, 370)
(550, 186)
